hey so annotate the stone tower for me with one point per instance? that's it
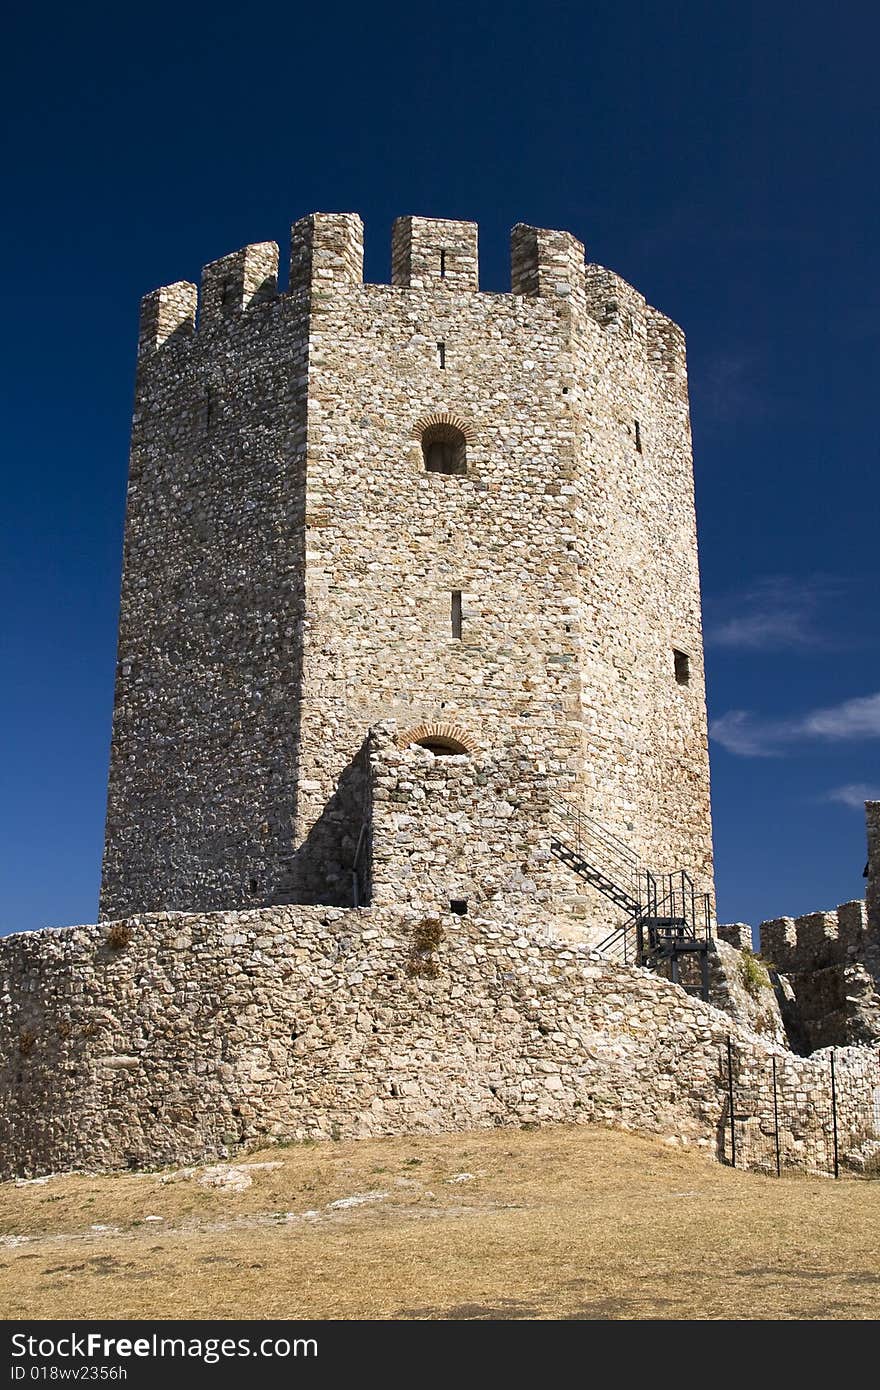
(461, 520)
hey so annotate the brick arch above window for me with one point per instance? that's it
(438, 419)
(451, 738)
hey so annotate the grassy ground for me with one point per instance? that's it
(551, 1223)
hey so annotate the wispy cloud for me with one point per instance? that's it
(859, 718)
(746, 735)
(855, 794)
(749, 736)
(776, 612)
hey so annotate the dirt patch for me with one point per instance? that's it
(563, 1223)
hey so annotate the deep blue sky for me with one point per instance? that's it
(723, 157)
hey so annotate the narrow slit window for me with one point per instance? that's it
(682, 663)
(638, 437)
(209, 411)
(442, 265)
(441, 355)
(456, 614)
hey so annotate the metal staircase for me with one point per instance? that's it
(667, 921)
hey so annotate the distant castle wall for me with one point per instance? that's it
(174, 1038)
(738, 934)
(818, 939)
(872, 891)
(827, 964)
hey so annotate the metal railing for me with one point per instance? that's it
(597, 845)
(679, 913)
(770, 1126)
(665, 914)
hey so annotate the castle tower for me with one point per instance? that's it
(465, 518)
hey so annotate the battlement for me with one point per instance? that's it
(326, 251)
(428, 255)
(431, 253)
(816, 939)
(819, 939)
(545, 262)
(738, 934)
(236, 281)
(829, 964)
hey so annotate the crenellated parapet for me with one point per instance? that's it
(167, 314)
(235, 282)
(434, 253)
(544, 262)
(830, 964)
(826, 967)
(327, 250)
(778, 942)
(667, 352)
(428, 255)
(738, 934)
(816, 939)
(614, 304)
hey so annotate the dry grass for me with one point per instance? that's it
(553, 1223)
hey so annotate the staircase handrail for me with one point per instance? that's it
(681, 895)
(585, 830)
(565, 811)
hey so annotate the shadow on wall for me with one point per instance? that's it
(331, 868)
(202, 797)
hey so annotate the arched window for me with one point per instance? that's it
(444, 449)
(442, 747)
(443, 740)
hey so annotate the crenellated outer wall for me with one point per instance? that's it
(826, 965)
(290, 563)
(175, 1038)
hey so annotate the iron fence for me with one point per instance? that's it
(775, 1121)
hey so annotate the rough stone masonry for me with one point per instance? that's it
(408, 568)
(469, 513)
(177, 1038)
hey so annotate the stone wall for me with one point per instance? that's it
(738, 934)
(564, 667)
(464, 828)
(830, 965)
(738, 983)
(872, 868)
(174, 1038)
(290, 563)
(827, 969)
(819, 939)
(201, 805)
(741, 986)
